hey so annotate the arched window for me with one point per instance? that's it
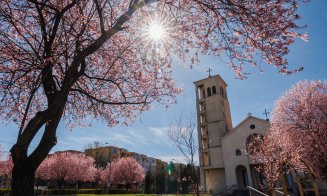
(238, 152)
(253, 141)
(221, 90)
(214, 90)
(209, 91)
(203, 93)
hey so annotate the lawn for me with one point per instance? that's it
(140, 194)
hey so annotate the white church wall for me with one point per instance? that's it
(236, 139)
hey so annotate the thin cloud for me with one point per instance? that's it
(159, 131)
(125, 138)
(139, 136)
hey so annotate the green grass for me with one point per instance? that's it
(140, 194)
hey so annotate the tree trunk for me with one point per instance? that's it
(298, 180)
(195, 181)
(23, 174)
(22, 180)
(282, 178)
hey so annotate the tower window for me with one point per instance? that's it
(221, 90)
(201, 92)
(238, 152)
(209, 91)
(214, 90)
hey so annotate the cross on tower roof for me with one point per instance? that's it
(249, 114)
(266, 113)
(209, 70)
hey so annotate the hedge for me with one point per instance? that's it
(59, 192)
(5, 191)
(68, 191)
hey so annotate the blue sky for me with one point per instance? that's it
(148, 135)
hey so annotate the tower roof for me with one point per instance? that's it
(211, 77)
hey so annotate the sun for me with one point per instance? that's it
(156, 31)
(159, 33)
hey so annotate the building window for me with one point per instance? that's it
(214, 90)
(209, 92)
(253, 141)
(221, 90)
(201, 92)
(238, 152)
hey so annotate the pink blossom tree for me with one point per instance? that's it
(126, 171)
(80, 60)
(300, 117)
(298, 136)
(275, 156)
(6, 166)
(67, 167)
(106, 174)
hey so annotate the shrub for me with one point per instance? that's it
(68, 191)
(4, 191)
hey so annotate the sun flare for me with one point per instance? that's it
(159, 33)
(156, 31)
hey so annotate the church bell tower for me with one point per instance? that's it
(214, 121)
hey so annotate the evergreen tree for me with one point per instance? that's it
(148, 182)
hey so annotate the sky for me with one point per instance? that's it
(148, 134)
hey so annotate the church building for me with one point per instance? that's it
(223, 154)
(222, 148)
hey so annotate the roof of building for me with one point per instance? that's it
(217, 76)
(69, 151)
(242, 122)
(122, 151)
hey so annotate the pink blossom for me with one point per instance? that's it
(125, 171)
(6, 167)
(298, 138)
(67, 166)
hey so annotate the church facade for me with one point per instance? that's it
(240, 170)
(224, 161)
